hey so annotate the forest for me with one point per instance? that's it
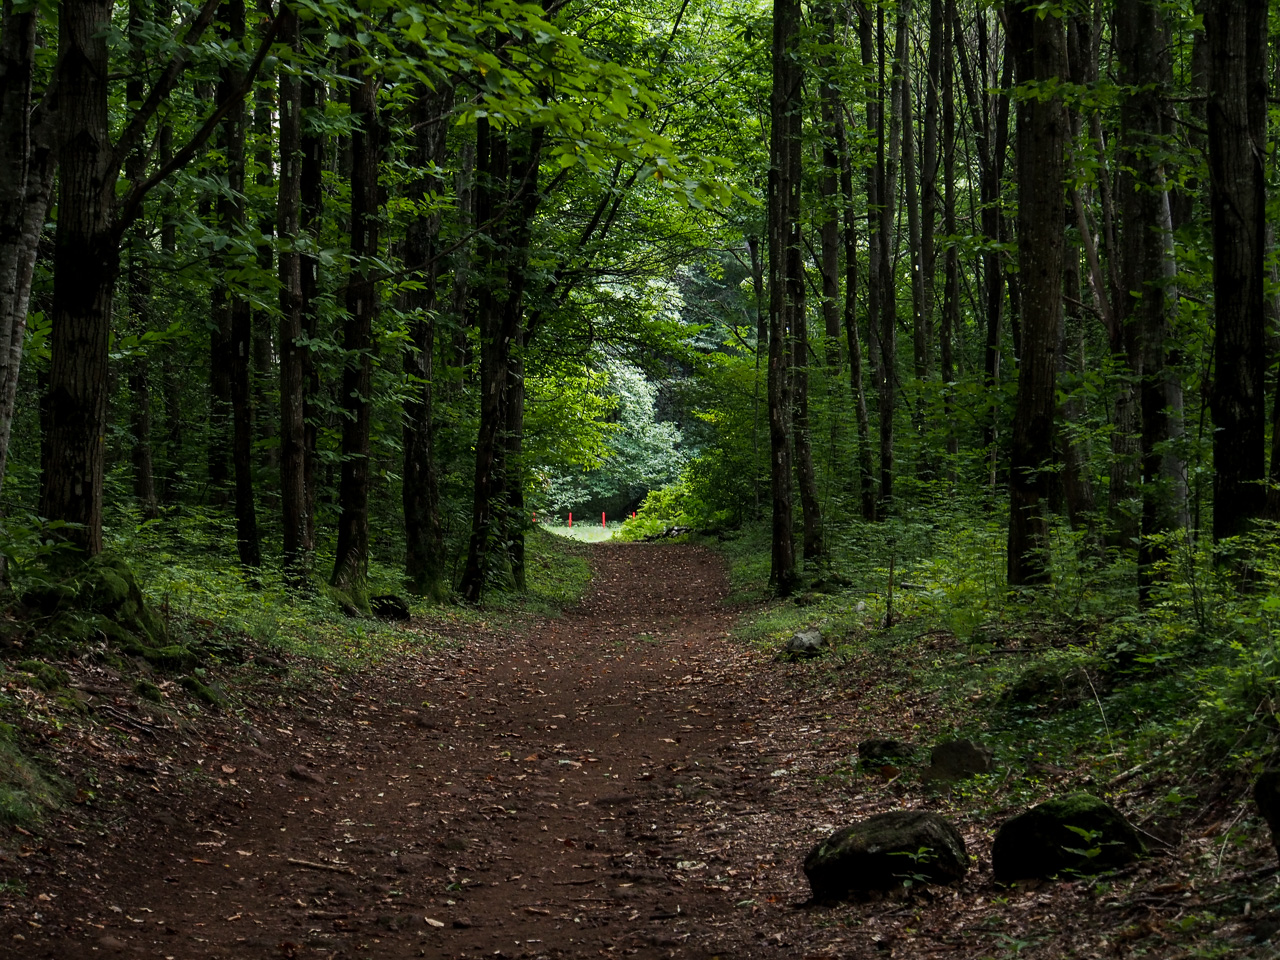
(953, 316)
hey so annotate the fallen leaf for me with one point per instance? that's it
(432, 922)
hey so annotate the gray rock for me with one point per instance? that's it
(958, 760)
(1079, 833)
(884, 852)
(806, 643)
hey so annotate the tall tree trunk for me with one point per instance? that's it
(86, 263)
(236, 325)
(294, 500)
(351, 560)
(1237, 37)
(506, 195)
(420, 488)
(1077, 487)
(1142, 49)
(312, 143)
(866, 468)
(888, 155)
(951, 266)
(783, 208)
(139, 299)
(27, 162)
(1038, 47)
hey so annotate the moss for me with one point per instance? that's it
(45, 676)
(1077, 833)
(202, 691)
(148, 691)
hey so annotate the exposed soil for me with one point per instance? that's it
(621, 781)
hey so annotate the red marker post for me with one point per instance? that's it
(603, 525)
(570, 519)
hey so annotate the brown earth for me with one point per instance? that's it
(623, 781)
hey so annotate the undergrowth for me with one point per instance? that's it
(1186, 686)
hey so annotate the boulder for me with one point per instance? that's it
(877, 750)
(958, 760)
(388, 606)
(889, 850)
(1079, 833)
(806, 643)
(1266, 794)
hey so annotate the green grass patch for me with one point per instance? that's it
(25, 792)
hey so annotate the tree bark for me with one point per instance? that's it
(1237, 37)
(420, 487)
(294, 500)
(1038, 47)
(506, 195)
(866, 468)
(785, 107)
(351, 562)
(27, 162)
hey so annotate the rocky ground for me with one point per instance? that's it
(622, 781)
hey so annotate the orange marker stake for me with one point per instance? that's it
(602, 523)
(570, 519)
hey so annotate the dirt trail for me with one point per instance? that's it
(610, 783)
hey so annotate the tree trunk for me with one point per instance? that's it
(866, 467)
(1237, 38)
(86, 263)
(1038, 47)
(351, 562)
(1142, 45)
(951, 267)
(312, 142)
(888, 152)
(27, 163)
(506, 195)
(785, 107)
(420, 487)
(294, 500)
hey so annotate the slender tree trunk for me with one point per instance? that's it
(1077, 487)
(420, 488)
(888, 154)
(866, 467)
(261, 321)
(294, 501)
(27, 162)
(951, 266)
(312, 143)
(1038, 47)
(86, 263)
(351, 562)
(139, 300)
(783, 209)
(1237, 38)
(507, 193)
(1142, 49)
(235, 336)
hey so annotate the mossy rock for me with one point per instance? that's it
(1077, 833)
(884, 852)
(202, 691)
(147, 690)
(44, 676)
(84, 600)
(1059, 686)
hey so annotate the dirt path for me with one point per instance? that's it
(620, 782)
(599, 786)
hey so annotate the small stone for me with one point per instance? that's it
(299, 772)
(958, 760)
(886, 851)
(1078, 832)
(806, 643)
